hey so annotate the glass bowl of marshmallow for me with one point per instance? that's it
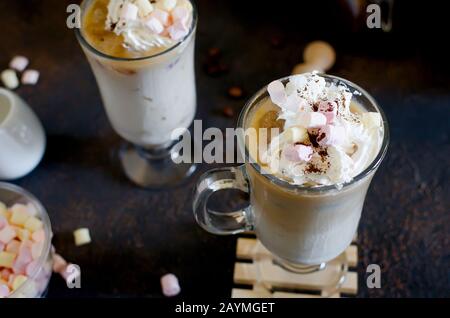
(25, 244)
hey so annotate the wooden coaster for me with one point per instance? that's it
(284, 283)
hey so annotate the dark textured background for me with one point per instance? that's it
(139, 235)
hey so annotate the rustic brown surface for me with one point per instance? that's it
(139, 235)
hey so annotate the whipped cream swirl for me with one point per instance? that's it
(323, 142)
(145, 25)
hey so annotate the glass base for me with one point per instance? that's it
(153, 168)
(326, 278)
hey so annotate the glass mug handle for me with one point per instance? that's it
(221, 223)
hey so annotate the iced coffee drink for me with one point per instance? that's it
(324, 138)
(142, 55)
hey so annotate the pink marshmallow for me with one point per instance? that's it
(25, 254)
(7, 234)
(3, 222)
(38, 236)
(170, 285)
(19, 63)
(4, 291)
(291, 153)
(329, 109)
(304, 152)
(180, 14)
(59, 263)
(162, 16)
(129, 12)
(154, 25)
(36, 249)
(178, 30)
(312, 119)
(13, 246)
(19, 267)
(277, 93)
(2, 247)
(30, 77)
(31, 268)
(330, 135)
(298, 153)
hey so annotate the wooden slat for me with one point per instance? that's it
(245, 273)
(245, 250)
(277, 277)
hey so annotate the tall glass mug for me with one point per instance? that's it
(146, 99)
(303, 227)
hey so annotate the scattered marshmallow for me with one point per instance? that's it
(19, 63)
(82, 236)
(170, 285)
(30, 77)
(144, 7)
(277, 93)
(9, 78)
(319, 54)
(59, 263)
(311, 119)
(154, 25)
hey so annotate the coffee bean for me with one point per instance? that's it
(235, 92)
(228, 111)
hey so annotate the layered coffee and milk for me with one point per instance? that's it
(325, 139)
(142, 54)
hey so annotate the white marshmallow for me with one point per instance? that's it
(154, 25)
(129, 12)
(170, 285)
(168, 5)
(331, 135)
(82, 236)
(144, 6)
(19, 63)
(311, 119)
(30, 77)
(162, 16)
(9, 78)
(294, 134)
